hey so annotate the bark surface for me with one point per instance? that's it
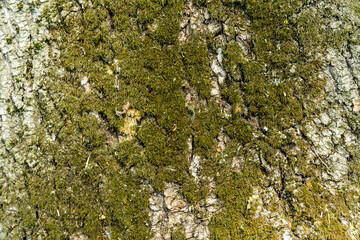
(174, 119)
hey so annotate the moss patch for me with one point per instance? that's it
(116, 121)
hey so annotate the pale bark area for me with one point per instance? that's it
(23, 63)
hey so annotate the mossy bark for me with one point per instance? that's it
(216, 97)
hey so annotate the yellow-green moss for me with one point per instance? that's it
(129, 53)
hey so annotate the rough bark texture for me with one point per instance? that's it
(23, 62)
(174, 119)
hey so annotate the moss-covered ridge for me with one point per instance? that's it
(123, 62)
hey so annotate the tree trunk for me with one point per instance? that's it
(174, 119)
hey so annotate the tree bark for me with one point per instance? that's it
(174, 119)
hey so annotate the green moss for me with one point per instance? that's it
(273, 95)
(20, 6)
(101, 179)
(324, 215)
(234, 190)
(178, 235)
(197, 71)
(234, 61)
(9, 40)
(129, 53)
(194, 191)
(169, 26)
